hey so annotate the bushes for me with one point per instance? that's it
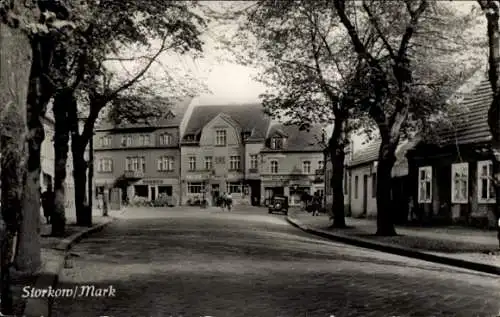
(137, 201)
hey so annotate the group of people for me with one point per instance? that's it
(225, 201)
(312, 203)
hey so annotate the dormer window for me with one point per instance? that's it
(276, 143)
(166, 139)
(245, 135)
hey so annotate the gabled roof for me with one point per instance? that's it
(467, 120)
(369, 154)
(296, 140)
(172, 117)
(249, 117)
(229, 119)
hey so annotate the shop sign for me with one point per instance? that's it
(192, 177)
(152, 181)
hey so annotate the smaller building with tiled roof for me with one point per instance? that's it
(295, 138)
(450, 168)
(361, 179)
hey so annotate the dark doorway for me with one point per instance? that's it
(255, 192)
(141, 190)
(153, 193)
(166, 190)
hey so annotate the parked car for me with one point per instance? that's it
(278, 204)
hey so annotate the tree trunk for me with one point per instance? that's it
(386, 160)
(61, 148)
(40, 91)
(337, 154)
(80, 181)
(15, 64)
(390, 133)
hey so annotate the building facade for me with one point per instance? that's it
(360, 181)
(215, 155)
(201, 152)
(451, 171)
(142, 159)
(291, 163)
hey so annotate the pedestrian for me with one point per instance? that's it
(222, 201)
(48, 204)
(316, 204)
(229, 201)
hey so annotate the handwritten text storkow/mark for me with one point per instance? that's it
(76, 291)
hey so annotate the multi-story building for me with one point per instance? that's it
(292, 163)
(143, 159)
(200, 152)
(218, 152)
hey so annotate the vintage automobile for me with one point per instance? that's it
(279, 204)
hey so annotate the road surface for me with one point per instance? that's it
(162, 262)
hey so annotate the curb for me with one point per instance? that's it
(398, 250)
(49, 276)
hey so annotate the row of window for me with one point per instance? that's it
(166, 163)
(365, 181)
(459, 183)
(198, 187)
(166, 139)
(234, 162)
(140, 140)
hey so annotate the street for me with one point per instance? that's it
(164, 262)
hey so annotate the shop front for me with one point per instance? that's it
(153, 189)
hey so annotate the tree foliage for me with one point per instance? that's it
(412, 39)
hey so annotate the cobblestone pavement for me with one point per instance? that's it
(248, 263)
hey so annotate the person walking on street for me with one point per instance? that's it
(229, 201)
(222, 201)
(316, 204)
(48, 204)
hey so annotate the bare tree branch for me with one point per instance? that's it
(415, 16)
(374, 22)
(358, 45)
(113, 94)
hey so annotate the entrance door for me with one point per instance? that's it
(153, 193)
(365, 194)
(255, 192)
(279, 191)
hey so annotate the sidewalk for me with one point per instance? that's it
(53, 253)
(460, 246)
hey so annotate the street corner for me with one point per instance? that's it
(67, 243)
